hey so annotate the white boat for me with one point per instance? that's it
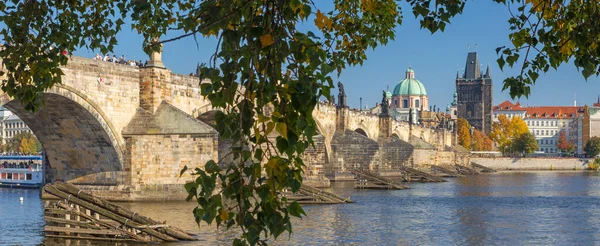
(21, 171)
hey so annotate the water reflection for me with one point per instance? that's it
(495, 209)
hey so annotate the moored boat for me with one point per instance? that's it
(21, 171)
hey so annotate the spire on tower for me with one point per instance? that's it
(488, 72)
(457, 75)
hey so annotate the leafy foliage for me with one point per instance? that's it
(267, 75)
(592, 147)
(464, 133)
(563, 145)
(546, 34)
(523, 144)
(505, 131)
(481, 142)
(24, 143)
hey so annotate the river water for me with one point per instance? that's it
(549, 208)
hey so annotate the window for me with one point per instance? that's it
(537, 123)
(537, 132)
(405, 103)
(417, 103)
(396, 102)
(28, 177)
(2, 175)
(9, 176)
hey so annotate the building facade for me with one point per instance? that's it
(475, 91)
(546, 122)
(11, 125)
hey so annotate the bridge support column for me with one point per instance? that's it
(152, 91)
(341, 119)
(385, 127)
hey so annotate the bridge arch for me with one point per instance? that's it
(81, 144)
(361, 132)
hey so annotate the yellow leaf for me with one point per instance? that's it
(281, 128)
(322, 21)
(567, 48)
(223, 214)
(295, 5)
(368, 5)
(271, 164)
(266, 40)
(270, 127)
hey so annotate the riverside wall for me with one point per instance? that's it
(508, 163)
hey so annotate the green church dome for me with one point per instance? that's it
(410, 86)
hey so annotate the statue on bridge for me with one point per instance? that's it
(341, 96)
(384, 106)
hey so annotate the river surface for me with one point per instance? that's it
(548, 208)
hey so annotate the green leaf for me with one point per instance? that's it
(183, 170)
(281, 128)
(296, 210)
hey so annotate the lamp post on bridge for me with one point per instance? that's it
(360, 109)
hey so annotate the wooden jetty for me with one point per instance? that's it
(482, 168)
(446, 172)
(80, 215)
(310, 195)
(465, 170)
(411, 174)
(368, 180)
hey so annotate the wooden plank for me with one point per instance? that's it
(435, 168)
(420, 175)
(86, 224)
(105, 232)
(102, 223)
(132, 216)
(373, 178)
(91, 238)
(127, 222)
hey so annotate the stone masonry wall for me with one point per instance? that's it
(506, 163)
(156, 160)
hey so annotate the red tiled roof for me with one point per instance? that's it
(559, 112)
(507, 105)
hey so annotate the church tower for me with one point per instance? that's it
(475, 95)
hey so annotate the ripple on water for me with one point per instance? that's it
(558, 208)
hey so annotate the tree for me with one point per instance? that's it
(27, 146)
(464, 133)
(480, 142)
(524, 144)
(500, 133)
(262, 60)
(592, 147)
(506, 130)
(563, 145)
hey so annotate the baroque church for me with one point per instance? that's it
(475, 95)
(409, 99)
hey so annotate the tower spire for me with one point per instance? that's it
(488, 72)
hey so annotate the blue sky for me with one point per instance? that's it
(434, 58)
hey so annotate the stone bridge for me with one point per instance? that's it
(126, 132)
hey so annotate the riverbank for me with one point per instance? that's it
(532, 164)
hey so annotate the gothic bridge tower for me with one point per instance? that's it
(475, 95)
